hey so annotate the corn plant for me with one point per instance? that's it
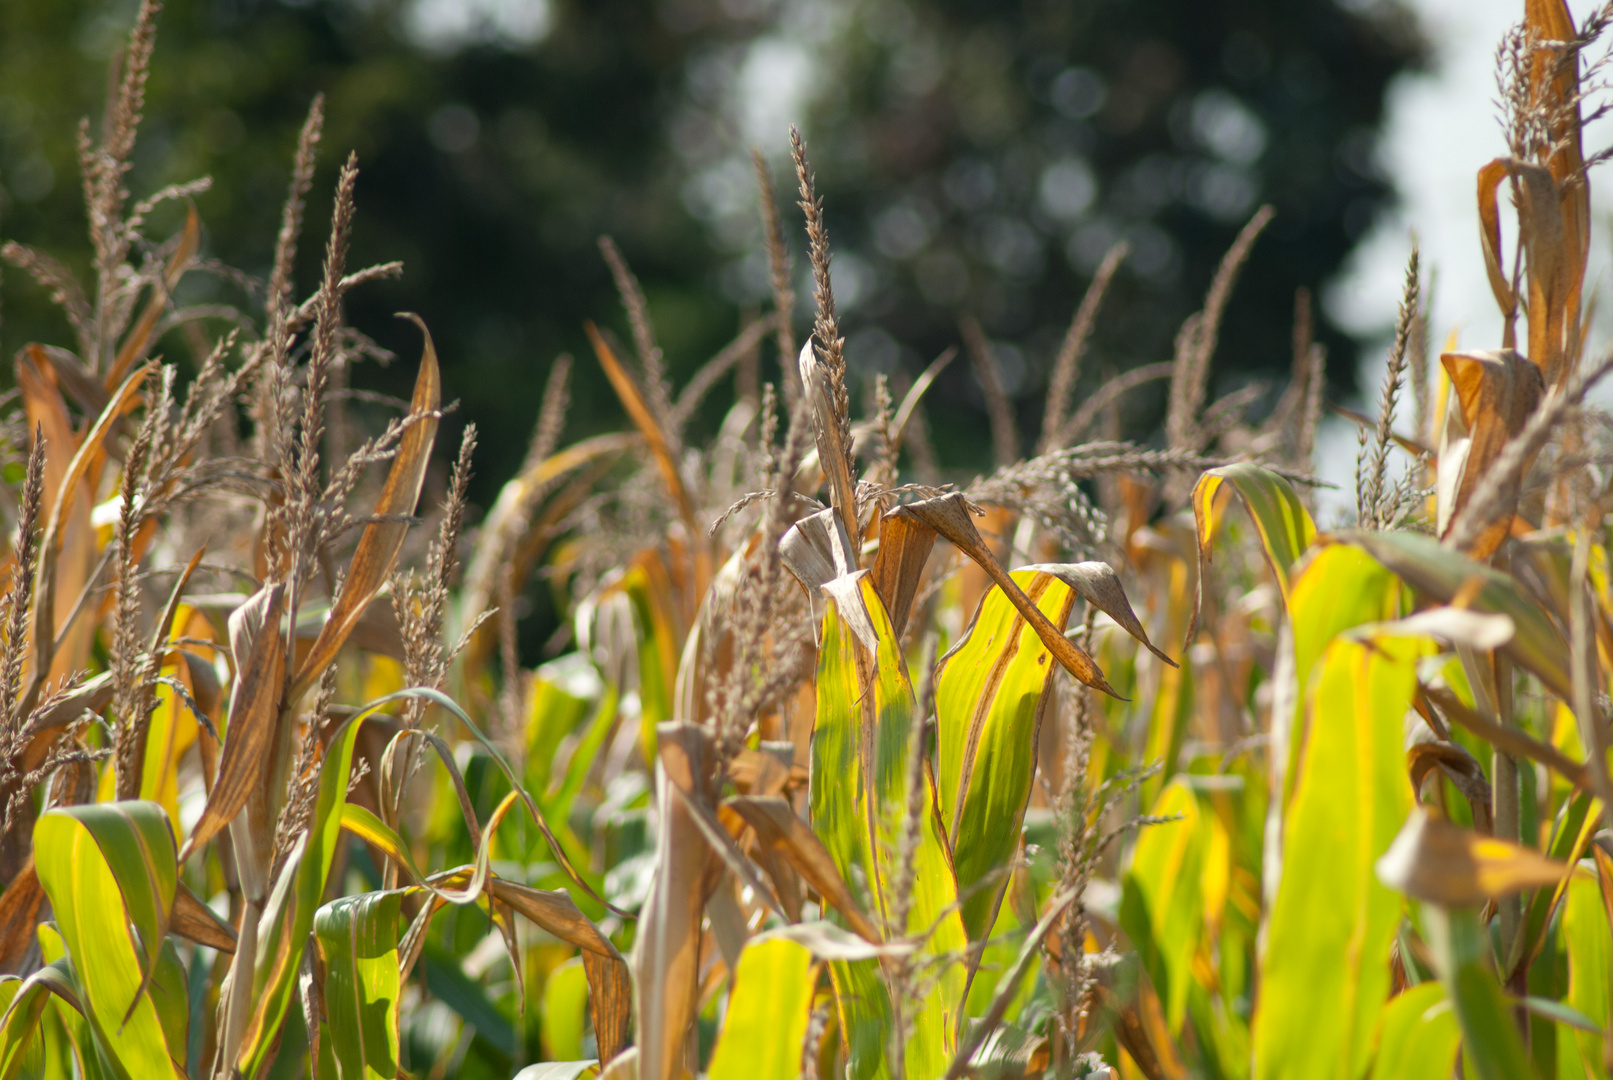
(1108, 763)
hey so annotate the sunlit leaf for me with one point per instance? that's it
(1420, 1035)
(864, 734)
(358, 942)
(110, 873)
(1281, 520)
(1325, 969)
(769, 1007)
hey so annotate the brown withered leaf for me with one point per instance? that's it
(666, 955)
(1558, 89)
(643, 417)
(67, 550)
(817, 549)
(194, 920)
(378, 547)
(1509, 740)
(74, 378)
(904, 549)
(1463, 770)
(682, 746)
(834, 455)
(780, 829)
(610, 990)
(1099, 585)
(948, 515)
(1440, 863)
(253, 735)
(19, 918)
(1496, 390)
(1490, 177)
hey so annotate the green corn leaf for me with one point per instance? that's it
(1284, 525)
(1162, 901)
(1439, 574)
(1491, 1046)
(110, 872)
(1590, 958)
(22, 1011)
(288, 918)
(864, 735)
(989, 701)
(358, 941)
(70, 1023)
(769, 1009)
(1420, 1035)
(1325, 972)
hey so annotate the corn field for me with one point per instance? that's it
(1110, 764)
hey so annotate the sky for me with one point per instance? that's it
(1440, 129)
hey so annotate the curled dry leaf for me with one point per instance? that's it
(1496, 391)
(254, 730)
(948, 515)
(833, 454)
(1462, 769)
(782, 831)
(904, 549)
(1440, 863)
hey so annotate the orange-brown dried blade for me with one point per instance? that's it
(780, 829)
(1490, 177)
(134, 346)
(196, 921)
(638, 410)
(378, 547)
(904, 549)
(50, 546)
(948, 515)
(19, 917)
(1496, 391)
(254, 720)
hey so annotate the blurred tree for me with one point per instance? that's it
(976, 157)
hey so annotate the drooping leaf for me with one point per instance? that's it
(779, 828)
(1284, 525)
(1496, 391)
(1325, 970)
(991, 694)
(948, 515)
(110, 872)
(769, 1008)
